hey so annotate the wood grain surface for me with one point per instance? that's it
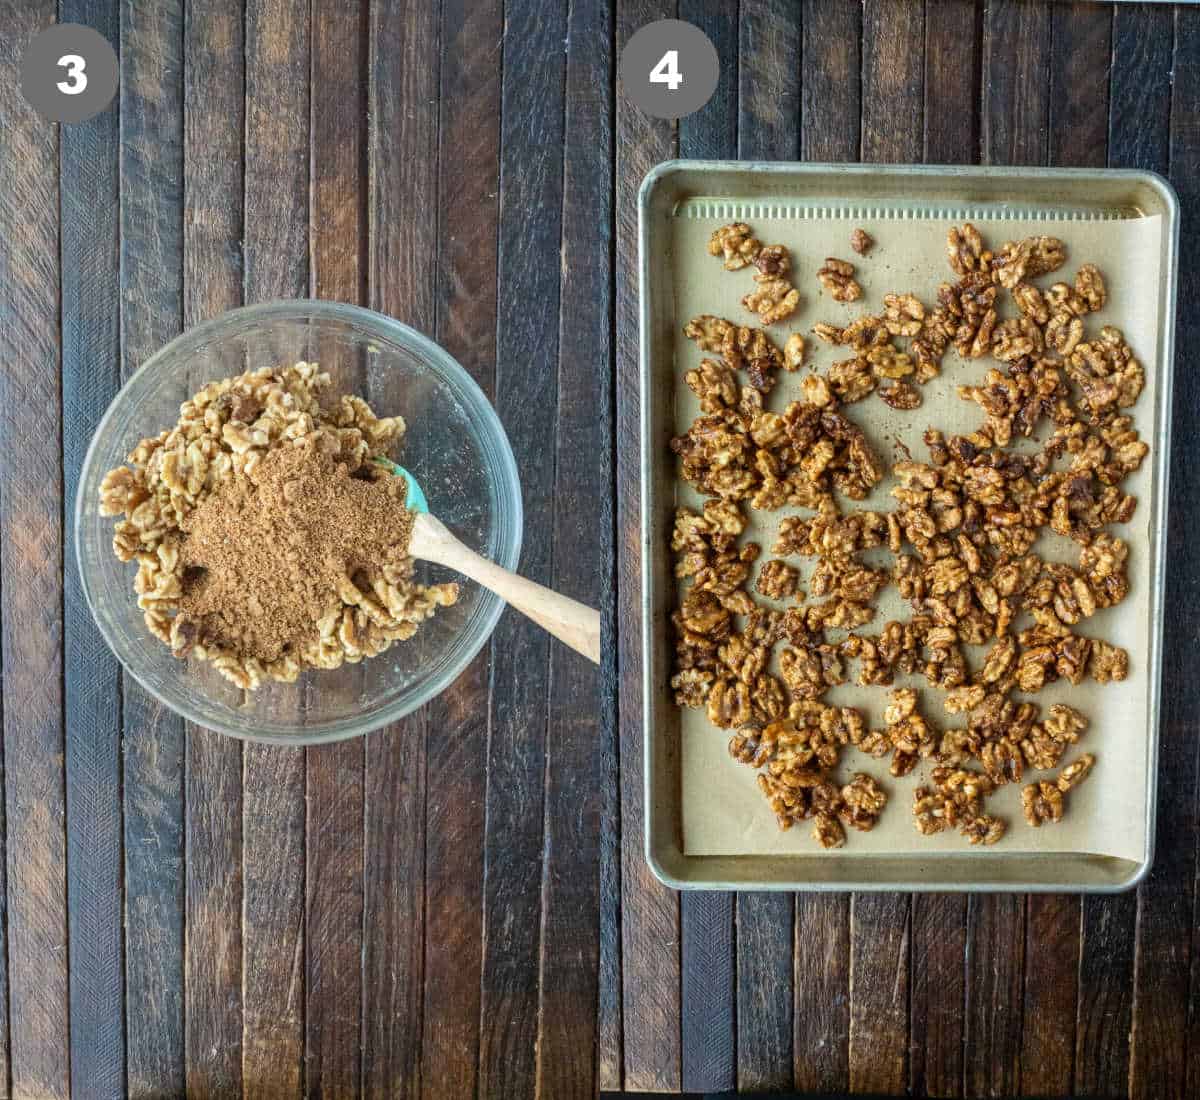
(458, 905)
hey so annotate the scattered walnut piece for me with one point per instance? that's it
(861, 241)
(900, 395)
(774, 300)
(837, 276)
(1042, 802)
(736, 244)
(773, 261)
(793, 352)
(776, 580)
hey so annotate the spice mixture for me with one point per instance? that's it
(961, 535)
(266, 539)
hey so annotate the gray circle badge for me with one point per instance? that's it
(69, 73)
(669, 68)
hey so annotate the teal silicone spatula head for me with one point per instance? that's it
(578, 626)
(415, 500)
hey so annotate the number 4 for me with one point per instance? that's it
(667, 71)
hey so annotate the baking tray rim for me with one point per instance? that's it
(1167, 195)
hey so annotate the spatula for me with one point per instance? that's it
(568, 620)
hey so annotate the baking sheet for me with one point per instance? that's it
(722, 811)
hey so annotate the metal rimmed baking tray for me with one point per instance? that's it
(813, 194)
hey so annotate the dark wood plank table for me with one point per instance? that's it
(459, 906)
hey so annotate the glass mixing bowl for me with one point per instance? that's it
(455, 446)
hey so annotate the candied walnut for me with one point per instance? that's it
(1002, 761)
(852, 379)
(729, 703)
(861, 241)
(1089, 285)
(887, 361)
(862, 801)
(1064, 332)
(933, 812)
(736, 344)
(1042, 802)
(1075, 773)
(691, 687)
(817, 391)
(1016, 261)
(837, 276)
(1107, 663)
(714, 384)
(1062, 298)
(701, 613)
(1031, 303)
(1012, 341)
(773, 301)
(735, 243)
(777, 580)
(793, 352)
(710, 333)
(828, 831)
(773, 260)
(970, 308)
(789, 804)
(964, 698)
(1106, 372)
(901, 396)
(966, 251)
(904, 316)
(983, 829)
(810, 670)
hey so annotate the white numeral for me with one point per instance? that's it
(76, 76)
(667, 71)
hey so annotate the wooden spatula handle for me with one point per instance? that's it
(568, 620)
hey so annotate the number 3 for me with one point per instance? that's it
(667, 71)
(76, 76)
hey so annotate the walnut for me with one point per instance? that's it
(1011, 341)
(1108, 662)
(901, 396)
(715, 385)
(837, 276)
(983, 829)
(793, 352)
(735, 243)
(852, 379)
(1029, 258)
(776, 580)
(904, 316)
(861, 241)
(773, 261)
(1089, 285)
(817, 391)
(1062, 298)
(773, 301)
(729, 703)
(970, 307)
(966, 251)
(1064, 332)
(862, 802)
(710, 333)
(828, 832)
(1042, 802)
(1106, 372)
(1031, 303)
(1075, 773)
(121, 491)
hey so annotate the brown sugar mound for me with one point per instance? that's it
(266, 556)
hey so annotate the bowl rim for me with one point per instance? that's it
(494, 443)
